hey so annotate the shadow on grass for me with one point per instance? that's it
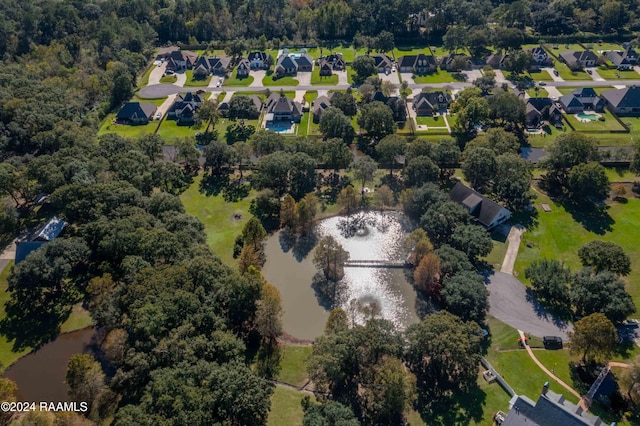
(528, 219)
(458, 409)
(213, 185)
(593, 218)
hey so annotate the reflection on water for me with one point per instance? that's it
(378, 236)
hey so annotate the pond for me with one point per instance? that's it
(386, 290)
(40, 375)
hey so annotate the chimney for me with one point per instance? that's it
(545, 388)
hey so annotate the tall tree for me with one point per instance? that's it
(389, 149)
(594, 336)
(376, 119)
(364, 169)
(330, 257)
(466, 296)
(269, 314)
(603, 292)
(334, 124)
(605, 256)
(550, 281)
(588, 181)
(479, 167)
(253, 233)
(364, 66)
(474, 240)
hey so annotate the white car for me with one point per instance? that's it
(158, 116)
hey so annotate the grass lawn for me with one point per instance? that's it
(559, 234)
(268, 80)
(540, 76)
(565, 90)
(221, 96)
(566, 74)
(155, 101)
(608, 124)
(196, 83)
(125, 130)
(170, 130)
(217, 216)
(427, 120)
(440, 76)
(613, 74)
(537, 92)
(168, 79)
(285, 407)
(234, 81)
(293, 367)
(619, 174)
(317, 79)
(143, 80)
(500, 245)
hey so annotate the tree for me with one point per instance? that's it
(498, 140)
(327, 413)
(219, 159)
(477, 42)
(336, 155)
(568, 150)
(303, 174)
(122, 81)
(518, 61)
(466, 295)
(330, 257)
(267, 142)
(550, 281)
(269, 314)
(455, 38)
(334, 124)
(613, 16)
(337, 321)
(273, 172)
(508, 38)
(507, 109)
(376, 119)
(487, 82)
(594, 337)
(454, 353)
(345, 102)
(364, 66)
(420, 170)
(418, 244)
(85, 379)
(389, 149)
(384, 41)
(243, 152)
(588, 181)
(441, 220)
(631, 380)
(209, 113)
(288, 212)
(511, 183)
(364, 168)
(348, 199)
(447, 157)
(306, 211)
(479, 167)
(474, 113)
(266, 207)
(426, 276)
(474, 240)
(253, 233)
(151, 146)
(603, 292)
(242, 106)
(605, 256)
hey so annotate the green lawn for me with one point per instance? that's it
(293, 367)
(566, 74)
(125, 130)
(285, 407)
(268, 80)
(155, 101)
(440, 76)
(317, 79)
(217, 216)
(196, 83)
(427, 120)
(540, 76)
(618, 174)
(559, 234)
(234, 81)
(608, 124)
(170, 130)
(143, 80)
(500, 245)
(613, 74)
(565, 90)
(537, 92)
(168, 79)
(304, 128)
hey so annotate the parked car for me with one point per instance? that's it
(630, 322)
(556, 73)
(542, 83)
(589, 72)
(158, 115)
(168, 72)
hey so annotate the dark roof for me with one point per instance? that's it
(412, 61)
(488, 209)
(304, 60)
(623, 98)
(280, 103)
(244, 63)
(382, 60)
(287, 62)
(432, 99)
(582, 56)
(550, 410)
(260, 56)
(136, 110)
(24, 248)
(540, 103)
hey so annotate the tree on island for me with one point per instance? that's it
(330, 258)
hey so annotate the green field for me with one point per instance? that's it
(125, 130)
(268, 80)
(285, 407)
(143, 80)
(613, 74)
(500, 245)
(170, 130)
(537, 92)
(427, 120)
(608, 124)
(218, 218)
(540, 75)
(566, 74)
(293, 367)
(196, 83)
(559, 234)
(317, 79)
(440, 76)
(234, 81)
(565, 90)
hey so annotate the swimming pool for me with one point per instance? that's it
(280, 127)
(587, 117)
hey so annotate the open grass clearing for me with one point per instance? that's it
(566, 90)
(439, 76)
(537, 92)
(168, 79)
(427, 120)
(541, 75)
(293, 366)
(613, 74)
(500, 245)
(320, 80)
(269, 80)
(125, 130)
(235, 81)
(170, 130)
(285, 407)
(196, 82)
(608, 124)
(566, 74)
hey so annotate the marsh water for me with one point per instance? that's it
(40, 375)
(379, 236)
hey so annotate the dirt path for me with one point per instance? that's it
(618, 364)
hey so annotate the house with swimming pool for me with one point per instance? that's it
(581, 100)
(281, 113)
(623, 102)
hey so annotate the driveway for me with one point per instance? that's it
(393, 77)
(182, 79)
(304, 78)
(157, 73)
(553, 92)
(472, 75)
(511, 303)
(500, 78)
(553, 76)
(166, 104)
(514, 238)
(594, 74)
(258, 75)
(342, 77)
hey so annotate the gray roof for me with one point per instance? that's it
(51, 229)
(287, 62)
(623, 98)
(420, 60)
(483, 208)
(136, 110)
(280, 103)
(382, 60)
(550, 410)
(257, 56)
(582, 56)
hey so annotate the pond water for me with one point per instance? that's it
(291, 269)
(40, 375)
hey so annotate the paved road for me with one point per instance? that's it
(510, 303)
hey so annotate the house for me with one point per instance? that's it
(623, 102)
(50, 231)
(578, 60)
(383, 63)
(542, 109)
(489, 213)
(623, 60)
(178, 60)
(551, 409)
(580, 100)
(319, 106)
(325, 68)
(418, 64)
(293, 63)
(258, 60)
(184, 107)
(136, 113)
(205, 66)
(496, 61)
(453, 61)
(244, 67)
(280, 108)
(335, 61)
(165, 52)
(430, 103)
(540, 56)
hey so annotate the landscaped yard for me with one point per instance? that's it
(430, 121)
(317, 79)
(268, 80)
(613, 74)
(125, 130)
(565, 90)
(234, 81)
(219, 218)
(608, 124)
(170, 130)
(440, 76)
(559, 234)
(566, 74)
(541, 75)
(191, 82)
(537, 92)
(168, 79)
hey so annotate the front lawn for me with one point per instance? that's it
(317, 79)
(170, 130)
(566, 73)
(235, 81)
(537, 92)
(427, 120)
(125, 130)
(440, 76)
(608, 124)
(222, 221)
(191, 82)
(614, 74)
(269, 80)
(168, 79)
(541, 75)
(565, 90)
